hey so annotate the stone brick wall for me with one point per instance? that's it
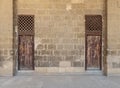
(60, 32)
(6, 37)
(113, 36)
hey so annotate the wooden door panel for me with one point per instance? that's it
(93, 33)
(26, 42)
(25, 52)
(93, 51)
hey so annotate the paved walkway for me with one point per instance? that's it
(60, 81)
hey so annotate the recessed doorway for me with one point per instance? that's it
(93, 39)
(25, 42)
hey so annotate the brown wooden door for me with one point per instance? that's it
(26, 42)
(93, 52)
(93, 32)
(25, 52)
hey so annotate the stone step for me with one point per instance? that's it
(86, 73)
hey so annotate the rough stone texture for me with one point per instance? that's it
(6, 37)
(60, 30)
(59, 33)
(74, 80)
(113, 36)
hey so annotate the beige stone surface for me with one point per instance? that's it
(52, 69)
(41, 69)
(60, 31)
(6, 37)
(65, 64)
(62, 70)
(113, 36)
(6, 69)
(77, 1)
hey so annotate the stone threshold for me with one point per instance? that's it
(86, 73)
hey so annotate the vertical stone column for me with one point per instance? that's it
(6, 37)
(113, 20)
(105, 69)
(15, 38)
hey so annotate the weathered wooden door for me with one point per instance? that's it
(93, 51)
(93, 41)
(26, 42)
(25, 52)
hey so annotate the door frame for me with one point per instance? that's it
(30, 32)
(93, 33)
